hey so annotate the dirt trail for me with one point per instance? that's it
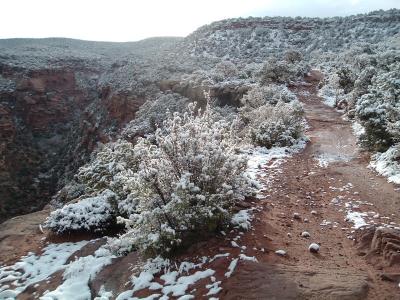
(331, 167)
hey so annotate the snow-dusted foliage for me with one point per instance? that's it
(102, 190)
(187, 182)
(387, 163)
(256, 39)
(279, 125)
(267, 94)
(224, 70)
(291, 69)
(277, 71)
(108, 169)
(152, 114)
(364, 81)
(94, 213)
(379, 110)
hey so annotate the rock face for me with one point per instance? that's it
(292, 282)
(52, 116)
(380, 245)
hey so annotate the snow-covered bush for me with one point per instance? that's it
(276, 71)
(283, 71)
(187, 182)
(152, 114)
(89, 214)
(100, 190)
(279, 125)
(225, 70)
(346, 79)
(387, 163)
(293, 56)
(267, 94)
(379, 110)
(109, 168)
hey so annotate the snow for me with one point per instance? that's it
(357, 218)
(231, 267)
(386, 165)
(89, 213)
(248, 258)
(103, 294)
(34, 268)
(182, 284)
(280, 252)
(77, 276)
(325, 159)
(242, 219)
(260, 157)
(175, 283)
(328, 96)
(213, 288)
(358, 129)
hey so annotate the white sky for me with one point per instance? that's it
(130, 20)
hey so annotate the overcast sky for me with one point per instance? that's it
(130, 20)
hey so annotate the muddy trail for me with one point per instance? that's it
(315, 192)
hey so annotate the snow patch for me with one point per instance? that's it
(357, 218)
(386, 164)
(358, 129)
(242, 219)
(328, 96)
(77, 276)
(35, 268)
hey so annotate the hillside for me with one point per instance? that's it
(297, 144)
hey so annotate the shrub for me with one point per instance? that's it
(94, 213)
(279, 125)
(153, 113)
(379, 111)
(270, 94)
(224, 70)
(99, 192)
(108, 169)
(283, 72)
(275, 71)
(387, 163)
(293, 56)
(187, 182)
(346, 79)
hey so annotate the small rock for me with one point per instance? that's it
(314, 212)
(305, 234)
(313, 248)
(296, 216)
(280, 252)
(289, 234)
(393, 277)
(306, 220)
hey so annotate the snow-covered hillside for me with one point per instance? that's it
(162, 145)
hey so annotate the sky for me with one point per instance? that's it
(132, 20)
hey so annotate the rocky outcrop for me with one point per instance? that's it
(293, 282)
(380, 245)
(50, 122)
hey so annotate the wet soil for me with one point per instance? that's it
(300, 199)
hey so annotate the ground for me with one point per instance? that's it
(309, 182)
(313, 191)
